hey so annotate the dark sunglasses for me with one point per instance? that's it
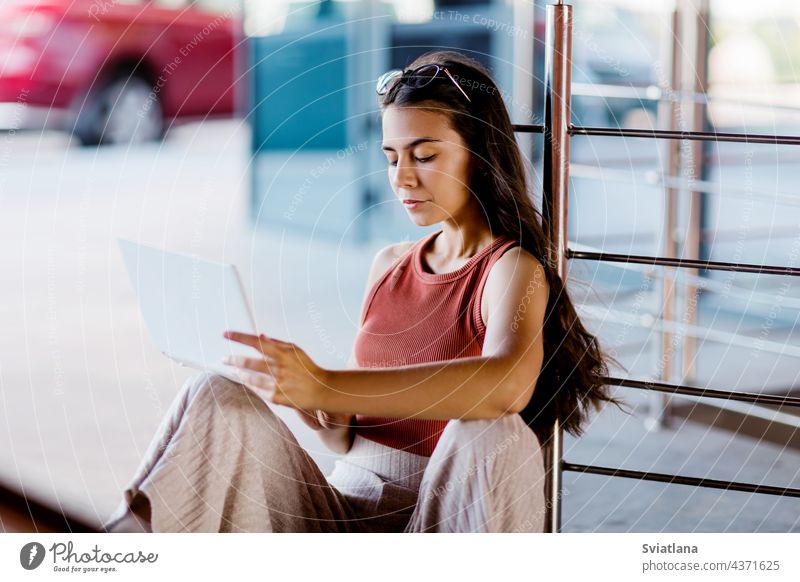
(416, 78)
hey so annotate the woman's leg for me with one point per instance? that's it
(222, 460)
(380, 483)
(483, 476)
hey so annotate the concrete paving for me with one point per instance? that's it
(82, 389)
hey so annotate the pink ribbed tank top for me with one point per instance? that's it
(412, 316)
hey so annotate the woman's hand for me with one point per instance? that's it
(321, 420)
(284, 374)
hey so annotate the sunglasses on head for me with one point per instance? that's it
(415, 78)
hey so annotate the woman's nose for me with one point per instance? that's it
(405, 176)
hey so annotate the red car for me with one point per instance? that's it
(116, 71)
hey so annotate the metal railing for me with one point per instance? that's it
(557, 131)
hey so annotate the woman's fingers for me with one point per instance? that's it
(284, 375)
(255, 379)
(332, 420)
(310, 418)
(262, 343)
(262, 384)
(259, 364)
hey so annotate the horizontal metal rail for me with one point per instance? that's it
(656, 93)
(756, 233)
(722, 160)
(688, 135)
(706, 334)
(704, 392)
(703, 283)
(656, 178)
(682, 480)
(721, 236)
(667, 134)
(597, 306)
(523, 128)
(685, 263)
(771, 420)
(610, 91)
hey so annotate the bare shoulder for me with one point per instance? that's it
(384, 259)
(520, 259)
(389, 254)
(517, 273)
(396, 250)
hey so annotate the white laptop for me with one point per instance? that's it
(188, 303)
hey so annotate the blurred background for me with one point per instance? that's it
(248, 132)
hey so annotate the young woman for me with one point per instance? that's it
(469, 348)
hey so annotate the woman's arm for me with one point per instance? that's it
(499, 382)
(475, 387)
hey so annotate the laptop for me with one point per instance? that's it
(187, 303)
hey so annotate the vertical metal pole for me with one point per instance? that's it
(689, 35)
(558, 68)
(658, 415)
(523, 76)
(693, 243)
(370, 65)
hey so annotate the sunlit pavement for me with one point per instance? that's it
(83, 389)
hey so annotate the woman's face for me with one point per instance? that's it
(429, 162)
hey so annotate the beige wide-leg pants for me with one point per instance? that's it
(223, 461)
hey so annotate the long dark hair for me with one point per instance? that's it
(570, 383)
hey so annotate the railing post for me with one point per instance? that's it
(693, 245)
(558, 68)
(689, 36)
(658, 413)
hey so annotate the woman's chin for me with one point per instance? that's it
(421, 221)
(423, 218)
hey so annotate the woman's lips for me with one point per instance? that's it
(413, 203)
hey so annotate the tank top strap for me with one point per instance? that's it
(510, 242)
(495, 255)
(477, 316)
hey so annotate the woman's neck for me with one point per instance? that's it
(454, 245)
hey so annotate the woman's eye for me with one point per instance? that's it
(420, 160)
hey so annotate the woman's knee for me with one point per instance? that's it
(485, 433)
(209, 385)
(500, 444)
(225, 398)
(205, 382)
(484, 475)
